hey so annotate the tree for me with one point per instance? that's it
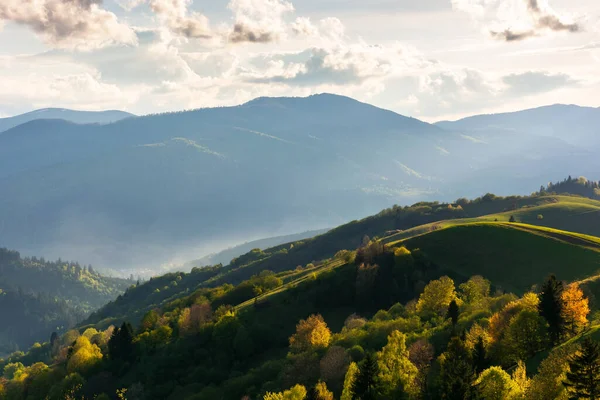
(396, 372)
(495, 384)
(349, 380)
(333, 366)
(320, 392)
(474, 289)
(551, 307)
(453, 312)
(85, 356)
(120, 345)
(366, 385)
(480, 361)
(575, 308)
(436, 296)
(526, 335)
(310, 333)
(548, 382)
(456, 373)
(420, 354)
(583, 380)
(298, 392)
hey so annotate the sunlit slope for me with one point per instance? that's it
(512, 256)
(568, 213)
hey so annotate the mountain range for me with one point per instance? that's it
(78, 117)
(147, 190)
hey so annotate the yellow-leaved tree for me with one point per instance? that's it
(298, 392)
(310, 333)
(437, 296)
(576, 308)
(396, 372)
(85, 355)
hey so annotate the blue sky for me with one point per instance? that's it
(432, 59)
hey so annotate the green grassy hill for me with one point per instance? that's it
(512, 256)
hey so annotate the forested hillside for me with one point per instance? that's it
(39, 297)
(463, 307)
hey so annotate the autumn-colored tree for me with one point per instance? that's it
(333, 366)
(437, 296)
(519, 377)
(351, 375)
(396, 372)
(421, 353)
(575, 308)
(310, 333)
(496, 384)
(583, 378)
(320, 392)
(85, 356)
(149, 321)
(297, 392)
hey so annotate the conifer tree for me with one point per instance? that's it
(453, 312)
(480, 356)
(457, 374)
(366, 385)
(551, 307)
(583, 380)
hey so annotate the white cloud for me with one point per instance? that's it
(81, 24)
(258, 21)
(515, 20)
(176, 16)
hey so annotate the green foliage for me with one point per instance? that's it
(456, 371)
(551, 307)
(496, 384)
(583, 378)
(396, 372)
(366, 384)
(351, 375)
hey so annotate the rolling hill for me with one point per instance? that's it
(78, 117)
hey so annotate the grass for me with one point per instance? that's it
(513, 256)
(566, 213)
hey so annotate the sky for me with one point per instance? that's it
(429, 59)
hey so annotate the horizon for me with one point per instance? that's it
(433, 121)
(152, 56)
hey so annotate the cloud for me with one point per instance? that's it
(258, 21)
(516, 20)
(81, 24)
(341, 64)
(180, 21)
(533, 82)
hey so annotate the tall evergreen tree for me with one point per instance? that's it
(551, 307)
(457, 374)
(583, 380)
(366, 385)
(453, 312)
(480, 356)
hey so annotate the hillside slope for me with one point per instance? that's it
(38, 297)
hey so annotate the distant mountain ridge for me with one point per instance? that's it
(144, 191)
(78, 117)
(551, 121)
